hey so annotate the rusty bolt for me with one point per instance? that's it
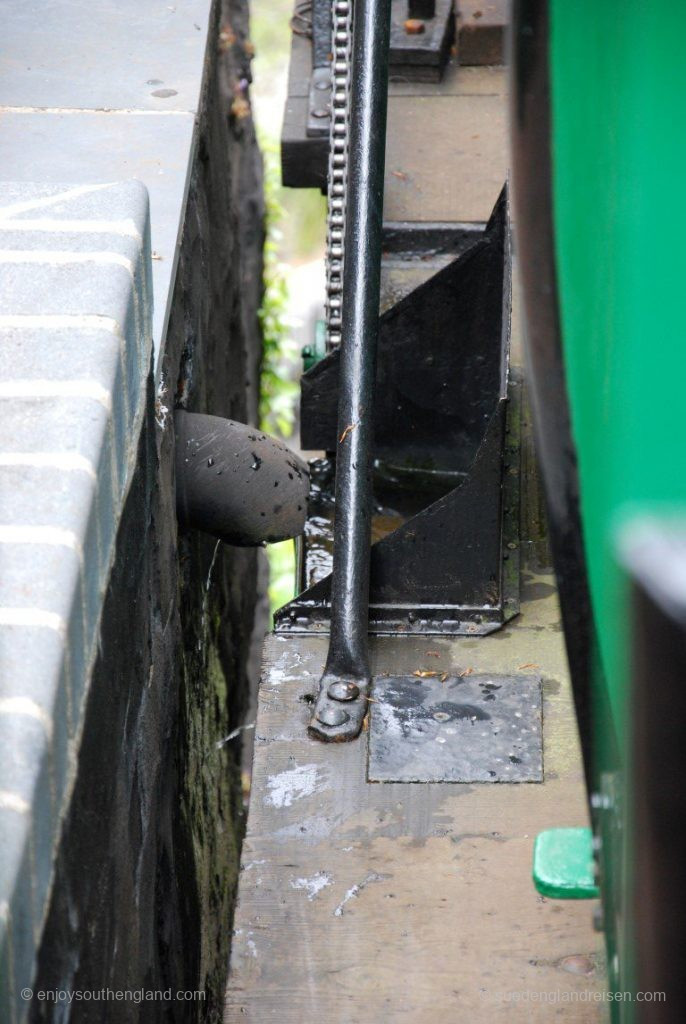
(414, 27)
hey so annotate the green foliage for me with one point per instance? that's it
(277, 391)
(281, 573)
(303, 229)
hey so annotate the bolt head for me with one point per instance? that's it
(332, 716)
(343, 691)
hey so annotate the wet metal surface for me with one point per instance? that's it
(477, 728)
(236, 483)
(440, 420)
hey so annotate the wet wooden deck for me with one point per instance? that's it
(363, 903)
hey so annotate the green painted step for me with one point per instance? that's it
(563, 864)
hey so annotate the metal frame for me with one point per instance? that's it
(453, 567)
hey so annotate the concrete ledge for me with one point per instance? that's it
(103, 92)
(75, 357)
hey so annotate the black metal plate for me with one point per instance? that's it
(478, 728)
(422, 57)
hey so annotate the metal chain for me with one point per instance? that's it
(338, 167)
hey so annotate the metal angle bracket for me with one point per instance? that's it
(320, 88)
(445, 399)
(422, 33)
(319, 103)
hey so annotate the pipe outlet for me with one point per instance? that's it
(237, 483)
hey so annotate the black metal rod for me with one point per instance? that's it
(347, 666)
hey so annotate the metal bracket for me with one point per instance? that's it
(319, 103)
(433, 727)
(446, 431)
(422, 32)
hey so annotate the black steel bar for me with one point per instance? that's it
(342, 701)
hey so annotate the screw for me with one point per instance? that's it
(343, 691)
(320, 112)
(332, 716)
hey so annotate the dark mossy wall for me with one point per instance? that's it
(147, 864)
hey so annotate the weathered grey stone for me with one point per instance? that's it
(46, 581)
(26, 773)
(92, 148)
(68, 441)
(74, 437)
(67, 356)
(120, 54)
(45, 496)
(34, 674)
(142, 879)
(18, 920)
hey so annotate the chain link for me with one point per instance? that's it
(341, 37)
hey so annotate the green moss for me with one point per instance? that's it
(212, 807)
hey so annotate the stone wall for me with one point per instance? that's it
(144, 873)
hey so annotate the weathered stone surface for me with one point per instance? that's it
(67, 446)
(164, 46)
(146, 871)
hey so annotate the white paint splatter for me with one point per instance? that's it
(291, 785)
(313, 885)
(307, 830)
(356, 890)
(161, 410)
(252, 947)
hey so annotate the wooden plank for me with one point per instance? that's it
(455, 173)
(482, 27)
(457, 81)
(393, 902)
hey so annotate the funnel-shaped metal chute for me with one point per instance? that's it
(237, 483)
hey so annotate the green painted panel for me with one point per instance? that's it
(618, 84)
(619, 150)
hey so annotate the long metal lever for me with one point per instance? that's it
(344, 688)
